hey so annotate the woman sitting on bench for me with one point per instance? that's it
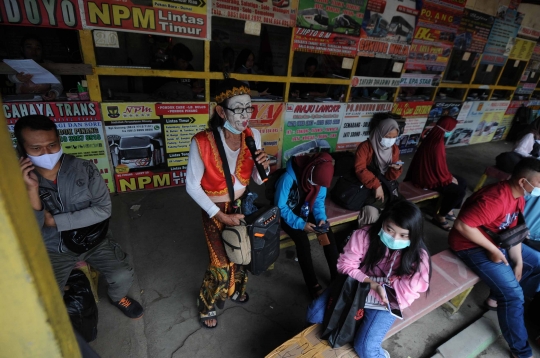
(429, 170)
(391, 251)
(300, 195)
(377, 165)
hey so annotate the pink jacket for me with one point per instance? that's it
(408, 288)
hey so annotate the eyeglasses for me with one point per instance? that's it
(240, 110)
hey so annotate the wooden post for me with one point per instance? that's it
(33, 313)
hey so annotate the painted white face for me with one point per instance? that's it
(238, 121)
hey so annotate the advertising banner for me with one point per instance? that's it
(503, 33)
(416, 114)
(79, 126)
(522, 50)
(149, 142)
(268, 119)
(534, 105)
(311, 128)
(179, 18)
(419, 80)
(439, 110)
(278, 13)
(473, 31)
(504, 126)
(529, 32)
(56, 14)
(324, 42)
(434, 36)
(359, 81)
(490, 121)
(355, 125)
(344, 17)
(468, 119)
(388, 28)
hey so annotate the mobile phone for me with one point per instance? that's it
(393, 304)
(399, 162)
(322, 229)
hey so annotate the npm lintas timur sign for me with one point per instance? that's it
(182, 18)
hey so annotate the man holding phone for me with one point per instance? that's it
(69, 196)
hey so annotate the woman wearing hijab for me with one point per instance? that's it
(302, 190)
(429, 170)
(206, 184)
(377, 164)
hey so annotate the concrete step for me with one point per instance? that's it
(473, 340)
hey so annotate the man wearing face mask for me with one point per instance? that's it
(377, 165)
(69, 195)
(510, 274)
(205, 183)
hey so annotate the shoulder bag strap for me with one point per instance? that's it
(225, 163)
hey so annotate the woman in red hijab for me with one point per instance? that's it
(300, 190)
(429, 170)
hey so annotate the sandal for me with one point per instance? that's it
(236, 297)
(212, 314)
(316, 291)
(443, 225)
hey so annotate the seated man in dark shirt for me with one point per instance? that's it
(307, 89)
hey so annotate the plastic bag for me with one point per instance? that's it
(81, 306)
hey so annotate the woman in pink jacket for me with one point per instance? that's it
(390, 251)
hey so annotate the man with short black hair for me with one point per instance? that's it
(510, 274)
(72, 207)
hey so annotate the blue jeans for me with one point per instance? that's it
(368, 339)
(508, 292)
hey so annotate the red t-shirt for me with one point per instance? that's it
(493, 207)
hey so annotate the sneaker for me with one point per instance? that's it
(129, 307)
(386, 354)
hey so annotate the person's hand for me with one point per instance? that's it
(379, 193)
(518, 269)
(24, 77)
(309, 227)
(229, 219)
(497, 257)
(321, 223)
(49, 96)
(454, 180)
(30, 178)
(380, 291)
(395, 166)
(49, 219)
(265, 92)
(262, 158)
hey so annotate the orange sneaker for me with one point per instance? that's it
(129, 307)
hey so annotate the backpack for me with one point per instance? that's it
(237, 243)
(520, 123)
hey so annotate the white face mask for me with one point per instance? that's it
(46, 161)
(388, 142)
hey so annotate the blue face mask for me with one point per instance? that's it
(535, 192)
(392, 243)
(227, 125)
(447, 134)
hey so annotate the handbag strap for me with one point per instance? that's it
(495, 236)
(225, 163)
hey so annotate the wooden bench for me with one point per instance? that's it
(338, 215)
(451, 282)
(491, 172)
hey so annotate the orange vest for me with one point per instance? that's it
(213, 180)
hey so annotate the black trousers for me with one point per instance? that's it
(303, 252)
(452, 195)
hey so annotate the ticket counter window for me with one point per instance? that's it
(487, 74)
(478, 94)
(499, 95)
(372, 94)
(379, 67)
(461, 67)
(49, 48)
(449, 94)
(512, 72)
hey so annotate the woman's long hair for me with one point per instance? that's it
(242, 59)
(407, 216)
(216, 121)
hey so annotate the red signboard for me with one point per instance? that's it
(57, 14)
(328, 43)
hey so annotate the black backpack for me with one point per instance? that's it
(520, 123)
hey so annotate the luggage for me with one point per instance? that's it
(264, 231)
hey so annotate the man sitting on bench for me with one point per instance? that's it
(512, 273)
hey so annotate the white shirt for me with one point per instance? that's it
(195, 172)
(525, 145)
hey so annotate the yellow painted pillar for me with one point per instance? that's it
(34, 319)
